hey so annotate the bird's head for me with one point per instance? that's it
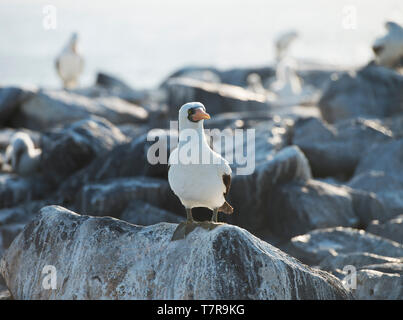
(192, 114)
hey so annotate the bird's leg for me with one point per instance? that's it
(189, 215)
(214, 218)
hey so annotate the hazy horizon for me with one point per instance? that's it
(143, 41)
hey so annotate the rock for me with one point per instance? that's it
(15, 189)
(387, 187)
(313, 247)
(375, 285)
(392, 229)
(127, 160)
(133, 262)
(298, 207)
(336, 150)
(387, 267)
(23, 213)
(356, 259)
(10, 100)
(371, 92)
(249, 194)
(217, 98)
(74, 147)
(387, 158)
(48, 109)
(119, 88)
(8, 233)
(143, 213)
(111, 197)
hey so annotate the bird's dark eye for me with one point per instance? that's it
(190, 111)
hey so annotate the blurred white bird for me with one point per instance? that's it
(70, 63)
(388, 49)
(24, 157)
(283, 42)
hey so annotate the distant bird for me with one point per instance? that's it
(205, 179)
(70, 63)
(388, 49)
(254, 83)
(24, 157)
(283, 42)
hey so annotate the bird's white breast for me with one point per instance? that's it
(197, 185)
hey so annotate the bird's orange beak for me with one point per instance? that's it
(200, 114)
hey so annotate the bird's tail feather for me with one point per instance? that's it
(226, 208)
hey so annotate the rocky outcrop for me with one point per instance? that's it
(111, 197)
(74, 147)
(48, 109)
(104, 258)
(392, 229)
(217, 97)
(313, 247)
(371, 92)
(335, 150)
(375, 285)
(15, 189)
(143, 213)
(250, 193)
(298, 207)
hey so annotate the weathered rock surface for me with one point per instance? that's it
(356, 259)
(335, 150)
(104, 258)
(315, 246)
(298, 207)
(249, 194)
(49, 108)
(15, 189)
(143, 213)
(375, 285)
(386, 157)
(371, 92)
(386, 186)
(392, 229)
(127, 160)
(111, 197)
(74, 147)
(217, 97)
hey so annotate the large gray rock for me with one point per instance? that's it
(375, 285)
(74, 147)
(249, 194)
(357, 259)
(372, 92)
(111, 197)
(143, 213)
(387, 158)
(10, 100)
(104, 258)
(392, 229)
(298, 207)
(15, 190)
(49, 108)
(387, 187)
(216, 97)
(317, 245)
(335, 150)
(127, 160)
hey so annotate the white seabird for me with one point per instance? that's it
(70, 63)
(388, 49)
(24, 157)
(198, 183)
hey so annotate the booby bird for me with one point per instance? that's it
(388, 49)
(283, 42)
(24, 157)
(70, 63)
(203, 179)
